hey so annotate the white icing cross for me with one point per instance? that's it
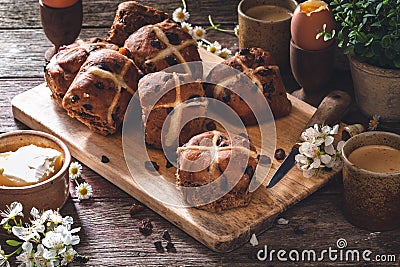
(170, 49)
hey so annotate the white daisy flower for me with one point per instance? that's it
(225, 52)
(84, 191)
(75, 170)
(373, 123)
(214, 48)
(187, 27)
(199, 33)
(14, 210)
(180, 15)
(236, 30)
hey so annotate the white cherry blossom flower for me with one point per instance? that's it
(14, 210)
(68, 256)
(3, 259)
(27, 258)
(25, 233)
(180, 15)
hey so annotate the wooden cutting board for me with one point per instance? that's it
(220, 232)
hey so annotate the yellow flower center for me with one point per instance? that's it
(186, 29)
(74, 170)
(180, 15)
(83, 191)
(374, 122)
(223, 54)
(213, 49)
(199, 33)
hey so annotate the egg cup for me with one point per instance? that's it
(313, 71)
(51, 193)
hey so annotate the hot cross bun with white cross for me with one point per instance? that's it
(264, 76)
(130, 17)
(212, 152)
(63, 67)
(172, 89)
(101, 91)
(157, 47)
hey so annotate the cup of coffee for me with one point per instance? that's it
(371, 180)
(266, 24)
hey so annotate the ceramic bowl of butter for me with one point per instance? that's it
(33, 170)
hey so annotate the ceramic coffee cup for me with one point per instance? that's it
(270, 34)
(371, 199)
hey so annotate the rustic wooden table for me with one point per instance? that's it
(109, 235)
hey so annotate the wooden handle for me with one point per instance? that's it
(331, 110)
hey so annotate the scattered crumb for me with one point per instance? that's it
(135, 208)
(159, 246)
(170, 247)
(253, 240)
(282, 221)
(145, 227)
(166, 236)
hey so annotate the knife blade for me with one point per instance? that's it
(332, 108)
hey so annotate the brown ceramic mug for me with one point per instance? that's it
(270, 34)
(371, 199)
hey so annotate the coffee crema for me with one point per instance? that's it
(269, 13)
(376, 158)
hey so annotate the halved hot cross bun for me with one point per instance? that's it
(101, 91)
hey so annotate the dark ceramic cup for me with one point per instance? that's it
(371, 200)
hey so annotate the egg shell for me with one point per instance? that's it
(59, 3)
(305, 28)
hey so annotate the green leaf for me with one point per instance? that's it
(378, 7)
(397, 63)
(348, 49)
(386, 41)
(13, 243)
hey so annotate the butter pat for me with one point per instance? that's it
(28, 165)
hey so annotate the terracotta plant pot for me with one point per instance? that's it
(377, 90)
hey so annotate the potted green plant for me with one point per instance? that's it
(369, 32)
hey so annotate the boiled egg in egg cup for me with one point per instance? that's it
(312, 52)
(33, 170)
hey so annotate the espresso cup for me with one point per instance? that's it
(371, 198)
(271, 33)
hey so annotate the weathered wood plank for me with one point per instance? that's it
(100, 13)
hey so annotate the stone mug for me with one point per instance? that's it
(371, 199)
(272, 36)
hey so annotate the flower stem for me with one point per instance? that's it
(216, 27)
(76, 182)
(184, 4)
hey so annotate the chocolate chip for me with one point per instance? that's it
(87, 106)
(145, 227)
(170, 247)
(157, 88)
(280, 154)
(244, 51)
(104, 159)
(155, 43)
(266, 72)
(171, 60)
(268, 87)
(169, 110)
(151, 166)
(102, 65)
(249, 171)
(211, 126)
(99, 85)
(159, 246)
(227, 96)
(75, 98)
(264, 160)
(166, 236)
(166, 78)
(260, 60)
(135, 208)
(173, 38)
